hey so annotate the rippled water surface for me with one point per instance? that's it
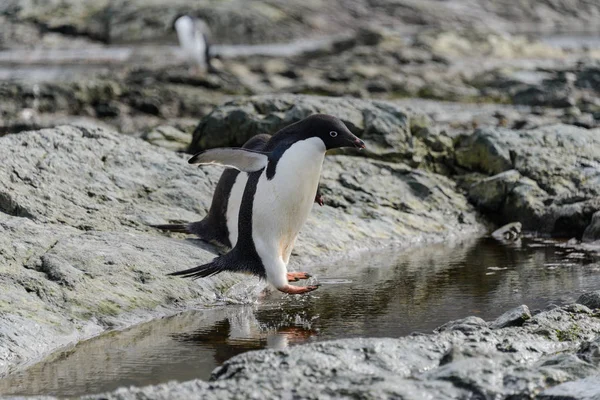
(386, 294)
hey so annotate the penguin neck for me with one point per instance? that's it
(299, 169)
(305, 155)
(297, 155)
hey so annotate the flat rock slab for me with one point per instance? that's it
(77, 256)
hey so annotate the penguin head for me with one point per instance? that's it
(332, 131)
(181, 19)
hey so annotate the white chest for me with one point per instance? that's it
(282, 204)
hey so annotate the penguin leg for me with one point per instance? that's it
(277, 275)
(292, 276)
(319, 198)
(296, 276)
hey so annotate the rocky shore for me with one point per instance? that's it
(472, 117)
(77, 201)
(79, 257)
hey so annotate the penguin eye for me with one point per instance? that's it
(333, 134)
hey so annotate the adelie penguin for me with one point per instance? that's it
(277, 198)
(220, 226)
(194, 38)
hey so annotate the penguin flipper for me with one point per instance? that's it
(241, 159)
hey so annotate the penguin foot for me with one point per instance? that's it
(296, 276)
(289, 289)
(319, 200)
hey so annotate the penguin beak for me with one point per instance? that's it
(359, 144)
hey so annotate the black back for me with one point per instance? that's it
(214, 226)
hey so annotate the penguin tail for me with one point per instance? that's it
(203, 271)
(172, 228)
(234, 261)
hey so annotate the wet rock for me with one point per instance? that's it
(79, 257)
(515, 317)
(546, 178)
(592, 232)
(508, 232)
(465, 325)
(512, 361)
(590, 299)
(590, 351)
(509, 195)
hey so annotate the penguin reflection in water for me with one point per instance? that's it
(281, 184)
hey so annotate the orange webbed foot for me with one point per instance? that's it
(296, 276)
(289, 289)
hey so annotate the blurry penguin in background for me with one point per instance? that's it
(194, 38)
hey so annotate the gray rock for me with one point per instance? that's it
(548, 178)
(483, 152)
(508, 232)
(582, 389)
(544, 96)
(590, 299)
(592, 232)
(515, 317)
(509, 195)
(482, 363)
(168, 137)
(590, 351)
(465, 325)
(490, 193)
(79, 257)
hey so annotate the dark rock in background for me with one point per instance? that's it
(592, 232)
(591, 299)
(548, 178)
(392, 133)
